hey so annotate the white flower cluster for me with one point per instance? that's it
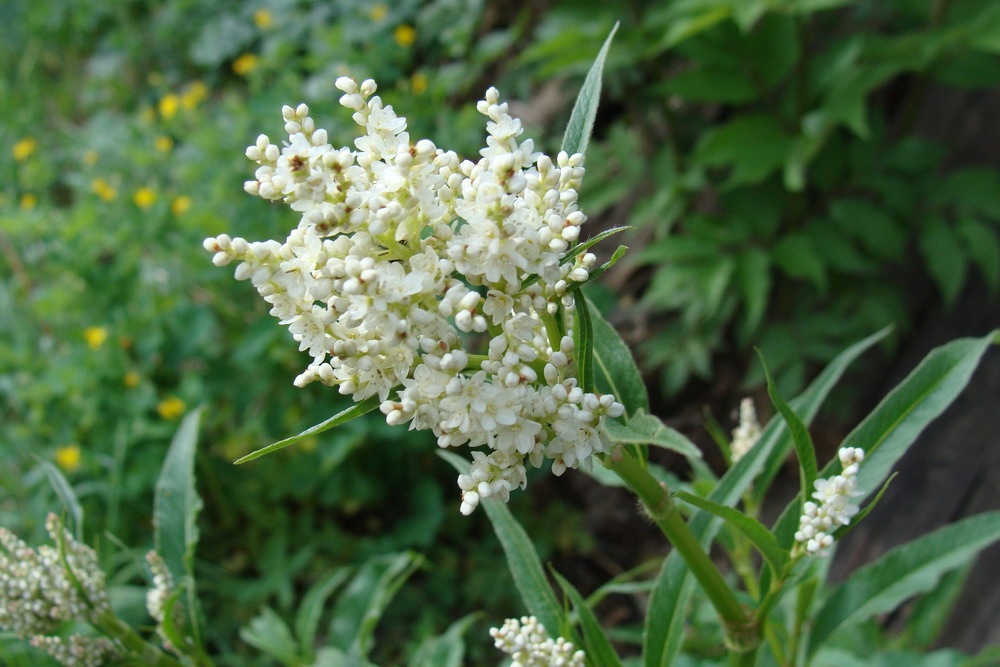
(529, 645)
(158, 594)
(746, 435)
(833, 507)
(405, 256)
(37, 594)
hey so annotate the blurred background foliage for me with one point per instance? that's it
(763, 150)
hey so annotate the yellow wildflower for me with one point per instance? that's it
(90, 158)
(405, 35)
(131, 379)
(378, 12)
(168, 105)
(103, 189)
(418, 83)
(95, 336)
(180, 205)
(144, 197)
(245, 64)
(171, 407)
(68, 457)
(147, 114)
(28, 201)
(24, 148)
(194, 94)
(163, 143)
(262, 19)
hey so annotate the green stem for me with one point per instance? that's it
(138, 648)
(664, 513)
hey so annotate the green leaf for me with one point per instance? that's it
(311, 609)
(583, 345)
(665, 619)
(805, 452)
(615, 370)
(754, 530)
(269, 633)
(707, 84)
(753, 275)
(930, 612)
(647, 429)
(578, 249)
(944, 257)
(596, 273)
(905, 571)
(860, 516)
(754, 146)
(596, 645)
(66, 494)
(445, 650)
(796, 255)
(983, 247)
(360, 607)
(522, 560)
(581, 120)
(342, 417)
(889, 430)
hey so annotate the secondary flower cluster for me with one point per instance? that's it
(747, 433)
(406, 258)
(529, 645)
(833, 509)
(38, 595)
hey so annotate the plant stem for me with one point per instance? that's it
(664, 513)
(145, 652)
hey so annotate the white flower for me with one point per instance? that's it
(834, 509)
(745, 435)
(402, 253)
(529, 645)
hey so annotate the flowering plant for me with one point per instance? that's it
(448, 294)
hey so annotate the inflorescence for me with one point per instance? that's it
(407, 260)
(834, 507)
(529, 645)
(747, 433)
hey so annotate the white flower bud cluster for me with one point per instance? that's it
(833, 507)
(158, 594)
(403, 254)
(746, 435)
(529, 645)
(37, 594)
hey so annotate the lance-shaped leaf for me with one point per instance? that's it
(615, 371)
(646, 429)
(175, 512)
(665, 618)
(581, 121)
(801, 440)
(311, 609)
(522, 560)
(754, 530)
(447, 649)
(342, 417)
(598, 648)
(576, 250)
(67, 496)
(905, 571)
(895, 423)
(583, 345)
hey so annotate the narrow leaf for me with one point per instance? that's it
(360, 607)
(665, 619)
(445, 650)
(596, 645)
(342, 417)
(583, 345)
(525, 568)
(801, 440)
(615, 370)
(905, 571)
(177, 504)
(754, 530)
(646, 429)
(596, 273)
(66, 494)
(175, 513)
(859, 517)
(578, 249)
(269, 633)
(311, 609)
(581, 121)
